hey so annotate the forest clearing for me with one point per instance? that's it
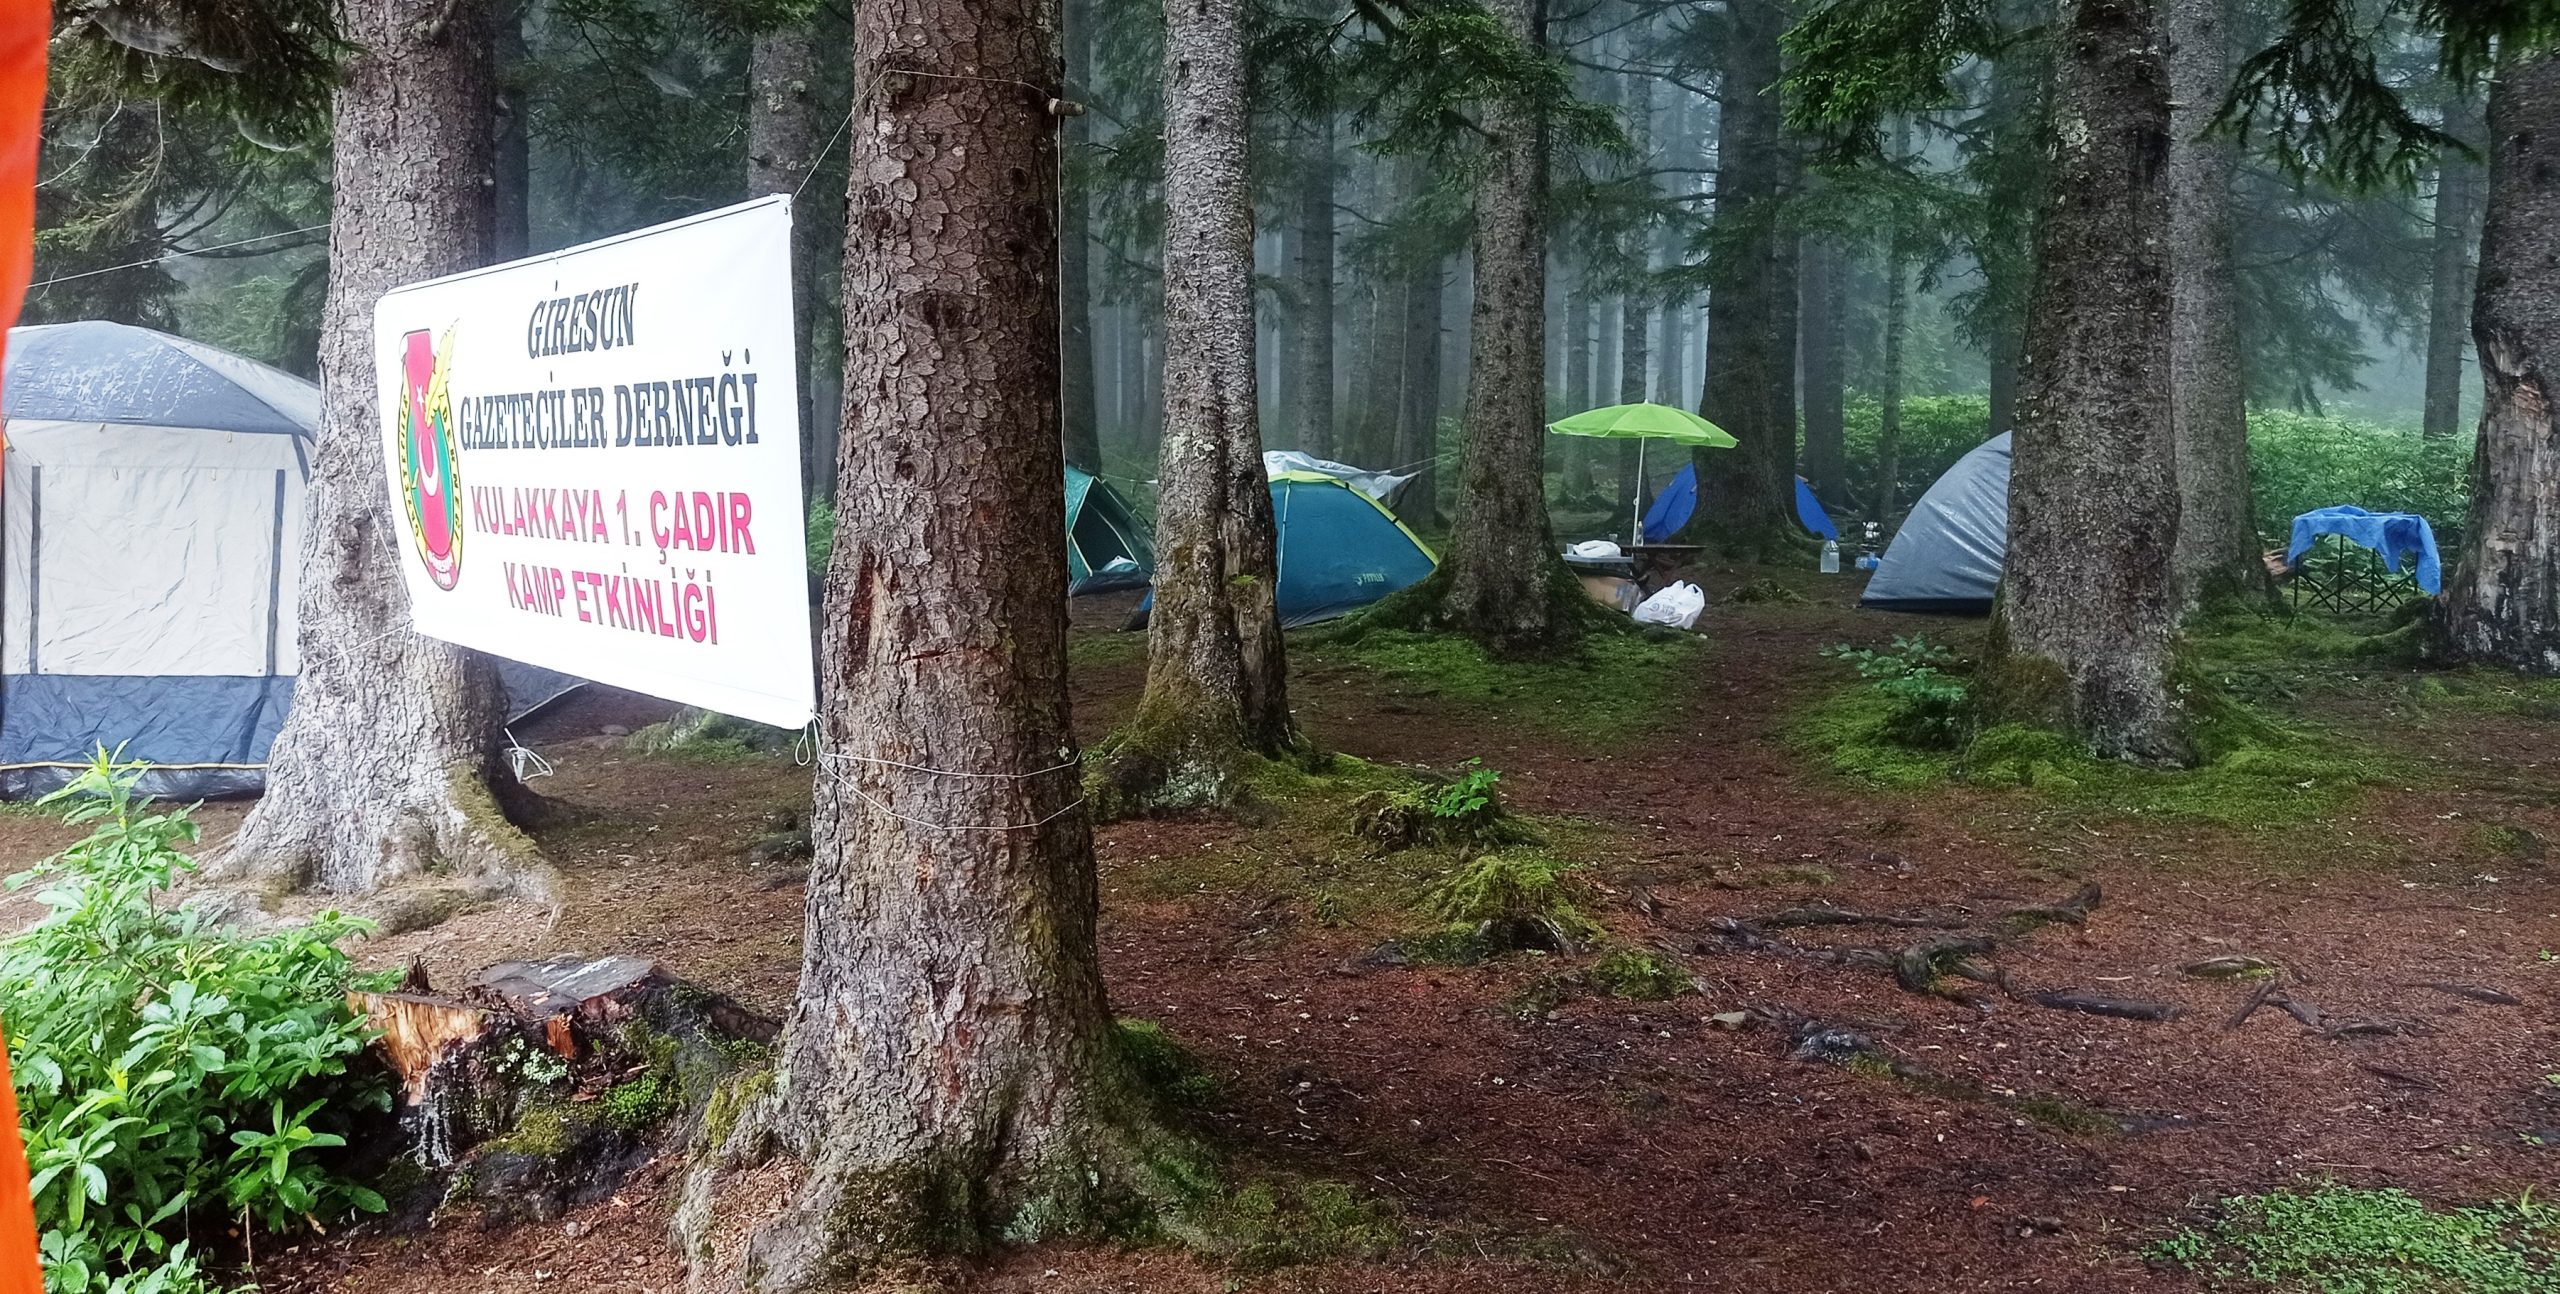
(779, 646)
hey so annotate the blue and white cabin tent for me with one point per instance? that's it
(150, 521)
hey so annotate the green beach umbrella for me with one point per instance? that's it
(1645, 422)
(1640, 423)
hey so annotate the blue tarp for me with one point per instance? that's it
(1809, 513)
(2391, 534)
(1672, 508)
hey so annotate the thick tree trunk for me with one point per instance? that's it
(2457, 218)
(2503, 603)
(2003, 363)
(2083, 635)
(1311, 322)
(1418, 431)
(1500, 582)
(782, 146)
(1824, 291)
(949, 1076)
(1080, 412)
(1216, 670)
(387, 768)
(2217, 552)
(1750, 378)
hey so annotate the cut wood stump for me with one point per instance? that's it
(542, 1083)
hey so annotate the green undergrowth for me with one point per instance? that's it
(2334, 1239)
(2266, 761)
(1614, 686)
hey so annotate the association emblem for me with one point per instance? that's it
(427, 481)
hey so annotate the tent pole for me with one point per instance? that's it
(1635, 504)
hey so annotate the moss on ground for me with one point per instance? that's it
(1639, 975)
(1164, 1066)
(1615, 686)
(1515, 900)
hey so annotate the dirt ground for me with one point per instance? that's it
(1613, 1145)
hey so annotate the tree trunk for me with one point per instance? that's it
(2457, 218)
(2003, 362)
(2503, 603)
(949, 1076)
(1749, 375)
(1418, 431)
(1080, 413)
(1824, 292)
(1311, 323)
(2084, 628)
(511, 176)
(2217, 552)
(1580, 379)
(782, 147)
(1216, 670)
(1500, 582)
(1897, 323)
(387, 769)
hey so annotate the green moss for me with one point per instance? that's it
(2352, 1241)
(729, 1102)
(1614, 686)
(1106, 650)
(1765, 591)
(1639, 975)
(1515, 900)
(703, 737)
(1164, 1066)
(547, 1127)
(2065, 1115)
(1270, 1225)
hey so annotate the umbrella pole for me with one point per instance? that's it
(1635, 503)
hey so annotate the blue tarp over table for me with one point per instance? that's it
(2392, 534)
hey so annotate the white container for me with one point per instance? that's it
(1831, 557)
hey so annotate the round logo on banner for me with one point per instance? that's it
(427, 459)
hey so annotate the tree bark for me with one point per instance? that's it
(1824, 291)
(387, 768)
(2083, 633)
(2217, 551)
(1750, 377)
(1500, 583)
(1311, 323)
(1216, 668)
(2457, 218)
(949, 1075)
(1080, 413)
(1418, 431)
(2502, 605)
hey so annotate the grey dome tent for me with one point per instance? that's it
(1948, 555)
(151, 501)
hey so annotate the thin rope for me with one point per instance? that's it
(175, 256)
(523, 756)
(828, 760)
(1046, 96)
(826, 152)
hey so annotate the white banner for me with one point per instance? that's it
(594, 461)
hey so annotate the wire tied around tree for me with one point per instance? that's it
(831, 762)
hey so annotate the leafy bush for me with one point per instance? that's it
(2335, 1238)
(2300, 461)
(1936, 431)
(164, 1068)
(1465, 810)
(1914, 674)
(1470, 794)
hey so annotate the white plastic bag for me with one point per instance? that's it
(1677, 606)
(1594, 548)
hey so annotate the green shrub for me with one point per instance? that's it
(1936, 431)
(166, 1070)
(1914, 675)
(2300, 461)
(821, 535)
(2335, 1238)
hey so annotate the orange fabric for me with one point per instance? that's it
(23, 31)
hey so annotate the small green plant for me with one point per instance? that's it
(1917, 676)
(169, 1073)
(2341, 1240)
(1470, 794)
(639, 1104)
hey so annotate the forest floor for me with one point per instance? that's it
(1512, 1126)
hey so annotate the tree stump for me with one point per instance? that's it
(543, 1084)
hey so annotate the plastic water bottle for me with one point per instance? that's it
(1831, 557)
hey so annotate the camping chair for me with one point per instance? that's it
(2344, 578)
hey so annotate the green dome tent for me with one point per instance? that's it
(1106, 547)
